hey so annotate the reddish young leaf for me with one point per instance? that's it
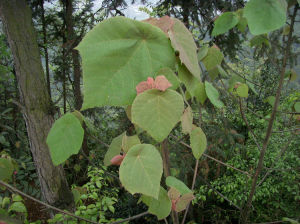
(164, 23)
(151, 83)
(161, 83)
(174, 205)
(117, 160)
(141, 87)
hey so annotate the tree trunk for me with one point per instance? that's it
(75, 56)
(16, 17)
(45, 47)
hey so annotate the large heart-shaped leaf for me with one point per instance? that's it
(198, 142)
(225, 22)
(114, 149)
(265, 16)
(157, 112)
(65, 138)
(183, 42)
(117, 54)
(160, 207)
(141, 170)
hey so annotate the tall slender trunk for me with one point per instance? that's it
(17, 21)
(44, 27)
(71, 37)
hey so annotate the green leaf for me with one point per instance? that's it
(291, 74)
(6, 169)
(76, 195)
(198, 142)
(242, 24)
(178, 185)
(182, 41)
(114, 149)
(173, 193)
(129, 141)
(225, 22)
(213, 58)
(157, 112)
(213, 73)
(16, 197)
(213, 95)
(117, 54)
(141, 170)
(17, 207)
(187, 120)
(183, 201)
(160, 207)
(170, 75)
(265, 16)
(297, 107)
(65, 138)
(271, 100)
(202, 52)
(242, 90)
(194, 86)
(258, 41)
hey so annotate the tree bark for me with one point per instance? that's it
(45, 47)
(71, 37)
(17, 21)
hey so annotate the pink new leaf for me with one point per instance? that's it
(117, 160)
(141, 87)
(161, 83)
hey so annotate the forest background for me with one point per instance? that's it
(234, 132)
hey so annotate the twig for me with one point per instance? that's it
(295, 129)
(43, 203)
(130, 218)
(62, 211)
(247, 124)
(235, 72)
(246, 210)
(216, 160)
(98, 140)
(287, 112)
(193, 185)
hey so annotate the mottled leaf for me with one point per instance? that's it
(141, 170)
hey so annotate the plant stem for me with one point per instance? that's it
(245, 212)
